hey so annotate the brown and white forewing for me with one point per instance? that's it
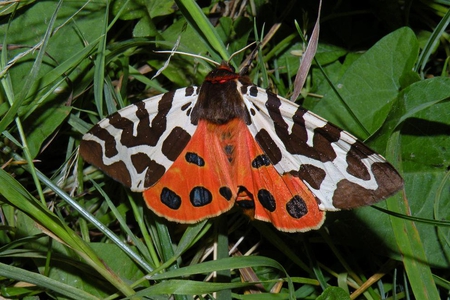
(137, 144)
(341, 171)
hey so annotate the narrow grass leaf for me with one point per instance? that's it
(222, 264)
(199, 21)
(123, 224)
(22, 275)
(99, 74)
(432, 42)
(188, 287)
(19, 197)
(408, 239)
(31, 78)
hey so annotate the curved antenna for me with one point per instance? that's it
(189, 54)
(248, 61)
(239, 51)
(173, 51)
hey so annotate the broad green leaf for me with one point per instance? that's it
(371, 84)
(43, 126)
(130, 10)
(158, 8)
(136, 9)
(10, 7)
(371, 231)
(145, 28)
(334, 293)
(407, 237)
(421, 113)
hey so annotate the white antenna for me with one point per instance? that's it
(239, 51)
(189, 54)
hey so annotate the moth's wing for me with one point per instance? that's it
(341, 171)
(198, 185)
(137, 144)
(266, 195)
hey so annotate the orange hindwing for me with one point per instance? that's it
(223, 165)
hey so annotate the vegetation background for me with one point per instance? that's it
(70, 232)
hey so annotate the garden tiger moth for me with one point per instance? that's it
(198, 151)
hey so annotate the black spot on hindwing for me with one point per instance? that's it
(194, 158)
(245, 199)
(246, 204)
(200, 196)
(296, 207)
(226, 192)
(261, 160)
(170, 198)
(267, 200)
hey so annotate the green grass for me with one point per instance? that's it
(69, 231)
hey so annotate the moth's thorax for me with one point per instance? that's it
(220, 99)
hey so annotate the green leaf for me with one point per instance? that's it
(188, 287)
(371, 84)
(409, 241)
(23, 90)
(130, 10)
(43, 126)
(195, 16)
(145, 28)
(222, 264)
(57, 64)
(44, 281)
(158, 8)
(334, 293)
(18, 196)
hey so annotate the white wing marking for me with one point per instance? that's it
(175, 117)
(335, 170)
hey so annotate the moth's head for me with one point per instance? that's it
(222, 74)
(225, 65)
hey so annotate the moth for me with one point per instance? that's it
(198, 151)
